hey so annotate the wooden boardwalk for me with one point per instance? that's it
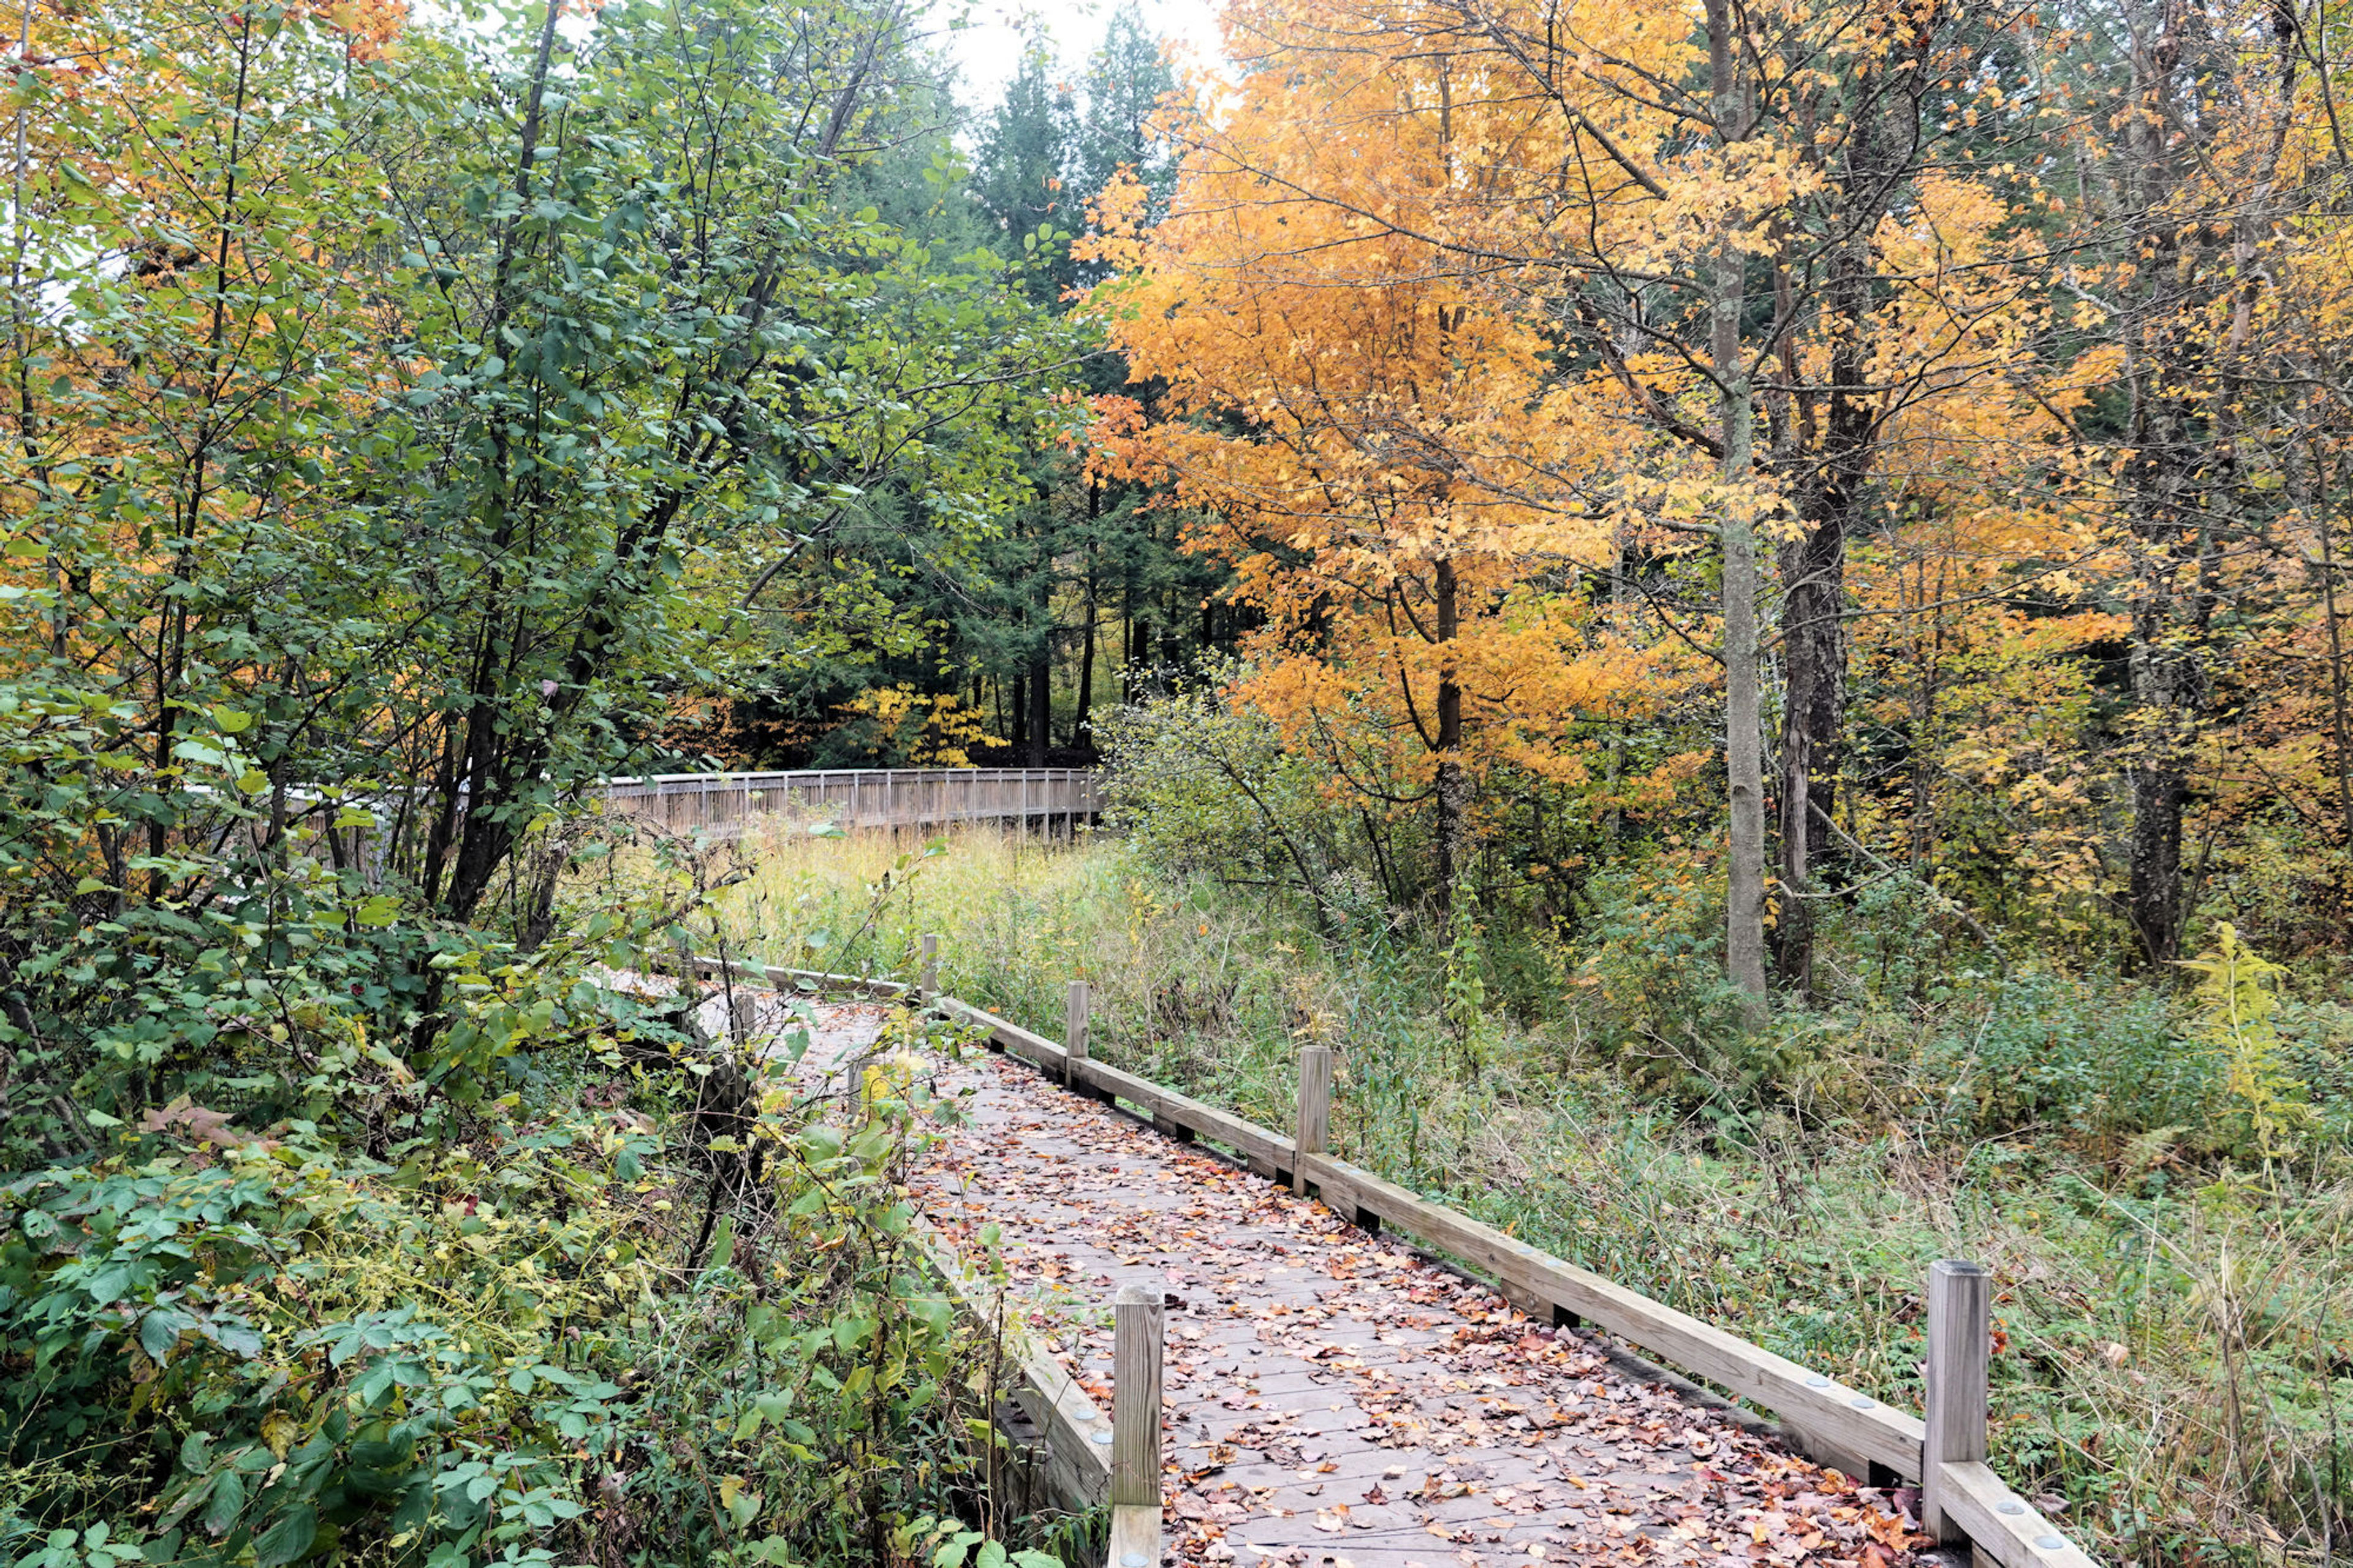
(1332, 1398)
(727, 804)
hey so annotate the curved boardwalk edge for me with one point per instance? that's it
(1842, 1426)
(1077, 1432)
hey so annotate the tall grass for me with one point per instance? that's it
(2178, 1333)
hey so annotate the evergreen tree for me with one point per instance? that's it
(1127, 81)
(1021, 178)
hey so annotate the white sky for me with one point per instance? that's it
(988, 47)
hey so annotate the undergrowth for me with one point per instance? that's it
(593, 1283)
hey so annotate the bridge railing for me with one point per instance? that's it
(859, 798)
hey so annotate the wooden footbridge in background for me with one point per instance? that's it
(1255, 1353)
(854, 799)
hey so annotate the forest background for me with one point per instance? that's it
(1745, 606)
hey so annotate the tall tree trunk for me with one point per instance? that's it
(2168, 689)
(1021, 715)
(2185, 408)
(1079, 721)
(1613, 828)
(1813, 653)
(1831, 463)
(1743, 936)
(1041, 709)
(1453, 787)
(1136, 650)
(2340, 709)
(2171, 607)
(1928, 664)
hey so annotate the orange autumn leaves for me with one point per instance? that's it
(1386, 458)
(1379, 387)
(1423, 350)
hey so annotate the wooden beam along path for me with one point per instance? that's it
(1964, 1500)
(1078, 1434)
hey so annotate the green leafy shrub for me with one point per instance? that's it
(1652, 984)
(513, 1342)
(2035, 1049)
(1205, 788)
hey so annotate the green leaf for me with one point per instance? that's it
(160, 1330)
(227, 1502)
(231, 721)
(288, 1539)
(722, 1242)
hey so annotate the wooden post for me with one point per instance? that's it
(1138, 1325)
(1960, 1349)
(744, 1008)
(1314, 1111)
(928, 978)
(1074, 1033)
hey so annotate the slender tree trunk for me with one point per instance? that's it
(1927, 660)
(1136, 650)
(2341, 711)
(1813, 652)
(1041, 709)
(1744, 943)
(1079, 724)
(1813, 614)
(1021, 716)
(2170, 612)
(1453, 787)
(1614, 823)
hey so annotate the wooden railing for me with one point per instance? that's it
(1963, 1501)
(859, 798)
